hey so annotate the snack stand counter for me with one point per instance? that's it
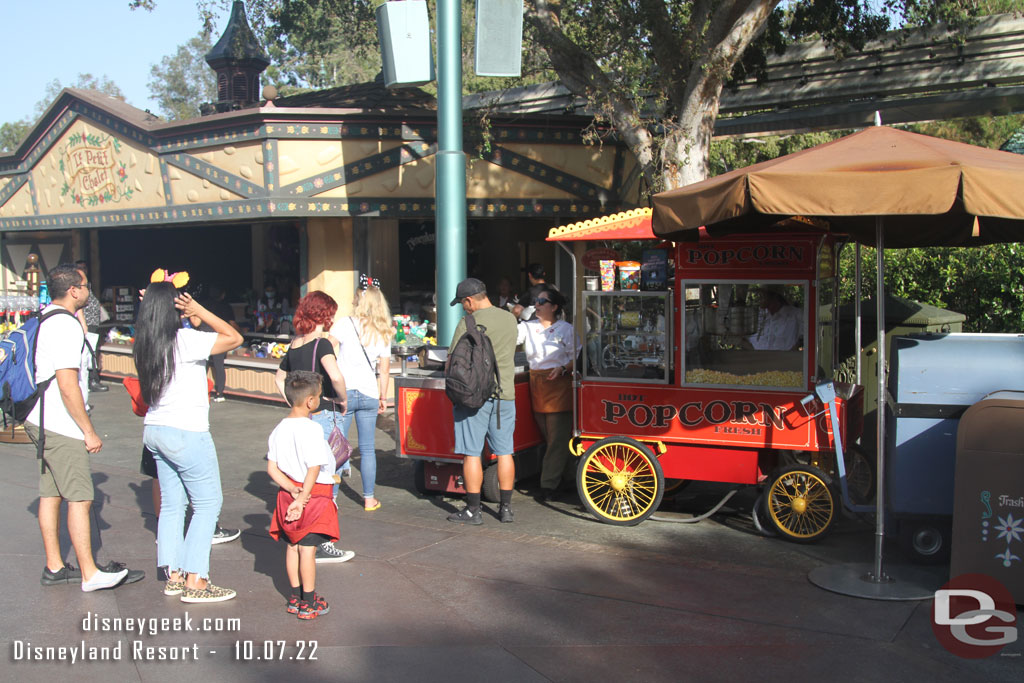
(247, 375)
(425, 432)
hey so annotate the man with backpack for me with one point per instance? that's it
(68, 438)
(496, 417)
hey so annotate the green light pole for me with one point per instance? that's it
(450, 187)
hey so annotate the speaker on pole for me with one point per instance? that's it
(403, 29)
(499, 37)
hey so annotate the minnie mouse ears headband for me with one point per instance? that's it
(365, 281)
(179, 280)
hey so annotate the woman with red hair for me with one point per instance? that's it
(312, 349)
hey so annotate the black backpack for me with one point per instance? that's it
(472, 377)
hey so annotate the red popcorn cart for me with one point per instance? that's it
(723, 373)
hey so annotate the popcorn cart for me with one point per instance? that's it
(720, 372)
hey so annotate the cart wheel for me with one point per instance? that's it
(799, 503)
(491, 491)
(419, 479)
(860, 475)
(620, 481)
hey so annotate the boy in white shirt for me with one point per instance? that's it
(301, 463)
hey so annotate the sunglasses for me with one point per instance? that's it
(542, 301)
(86, 285)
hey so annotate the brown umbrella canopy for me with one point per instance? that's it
(928, 190)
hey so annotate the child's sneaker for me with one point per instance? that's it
(293, 604)
(311, 609)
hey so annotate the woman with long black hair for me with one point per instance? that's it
(171, 363)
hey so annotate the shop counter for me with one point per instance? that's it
(245, 376)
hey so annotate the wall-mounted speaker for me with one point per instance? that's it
(403, 29)
(499, 37)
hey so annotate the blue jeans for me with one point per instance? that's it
(327, 419)
(186, 463)
(365, 410)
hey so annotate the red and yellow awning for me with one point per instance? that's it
(634, 224)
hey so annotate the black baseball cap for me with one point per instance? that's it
(468, 287)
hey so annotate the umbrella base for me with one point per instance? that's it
(856, 580)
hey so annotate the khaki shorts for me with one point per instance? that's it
(66, 473)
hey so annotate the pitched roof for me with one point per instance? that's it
(366, 96)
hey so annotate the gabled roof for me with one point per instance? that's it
(371, 97)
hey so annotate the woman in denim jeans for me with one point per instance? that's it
(313, 350)
(171, 362)
(364, 355)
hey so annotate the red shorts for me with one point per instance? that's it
(320, 516)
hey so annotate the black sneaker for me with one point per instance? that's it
(330, 553)
(96, 386)
(466, 516)
(114, 567)
(505, 514)
(222, 535)
(64, 575)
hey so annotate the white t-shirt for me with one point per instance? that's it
(297, 444)
(779, 331)
(59, 347)
(358, 374)
(185, 403)
(548, 347)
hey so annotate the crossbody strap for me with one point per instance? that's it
(362, 348)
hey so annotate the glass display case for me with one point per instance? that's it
(745, 333)
(628, 336)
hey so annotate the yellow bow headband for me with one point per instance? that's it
(179, 280)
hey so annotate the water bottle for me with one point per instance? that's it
(44, 295)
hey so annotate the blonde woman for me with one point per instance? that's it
(364, 356)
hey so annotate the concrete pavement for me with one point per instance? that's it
(554, 597)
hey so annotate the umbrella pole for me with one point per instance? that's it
(878, 575)
(860, 579)
(857, 313)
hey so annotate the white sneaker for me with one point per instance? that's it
(327, 552)
(101, 580)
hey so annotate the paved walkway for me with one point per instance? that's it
(553, 597)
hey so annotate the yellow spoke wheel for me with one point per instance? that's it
(800, 503)
(620, 481)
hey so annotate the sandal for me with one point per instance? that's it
(371, 508)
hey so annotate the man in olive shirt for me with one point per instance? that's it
(471, 426)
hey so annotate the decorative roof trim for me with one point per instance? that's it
(632, 224)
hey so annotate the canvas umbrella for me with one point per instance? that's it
(883, 187)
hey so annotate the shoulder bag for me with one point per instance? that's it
(340, 447)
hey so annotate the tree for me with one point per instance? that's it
(653, 70)
(183, 81)
(84, 81)
(11, 134)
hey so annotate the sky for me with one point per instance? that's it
(63, 38)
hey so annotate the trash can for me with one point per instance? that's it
(933, 380)
(988, 512)
(902, 317)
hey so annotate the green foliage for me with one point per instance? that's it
(11, 134)
(731, 153)
(983, 283)
(181, 82)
